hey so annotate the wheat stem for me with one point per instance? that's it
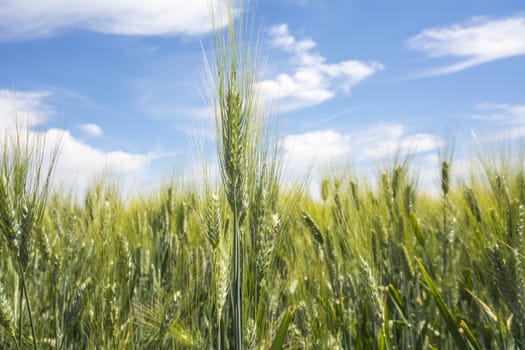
(24, 289)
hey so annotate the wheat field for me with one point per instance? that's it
(250, 263)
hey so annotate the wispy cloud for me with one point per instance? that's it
(479, 40)
(497, 122)
(22, 107)
(23, 19)
(79, 163)
(312, 80)
(91, 129)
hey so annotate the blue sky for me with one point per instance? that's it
(123, 81)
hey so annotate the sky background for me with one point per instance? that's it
(123, 81)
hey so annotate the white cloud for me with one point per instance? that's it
(313, 80)
(478, 41)
(376, 142)
(78, 163)
(91, 129)
(324, 145)
(22, 19)
(318, 152)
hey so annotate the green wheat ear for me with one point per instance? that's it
(7, 320)
(312, 226)
(325, 189)
(445, 177)
(213, 220)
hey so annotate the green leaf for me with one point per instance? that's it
(278, 341)
(470, 336)
(485, 307)
(452, 326)
(394, 295)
